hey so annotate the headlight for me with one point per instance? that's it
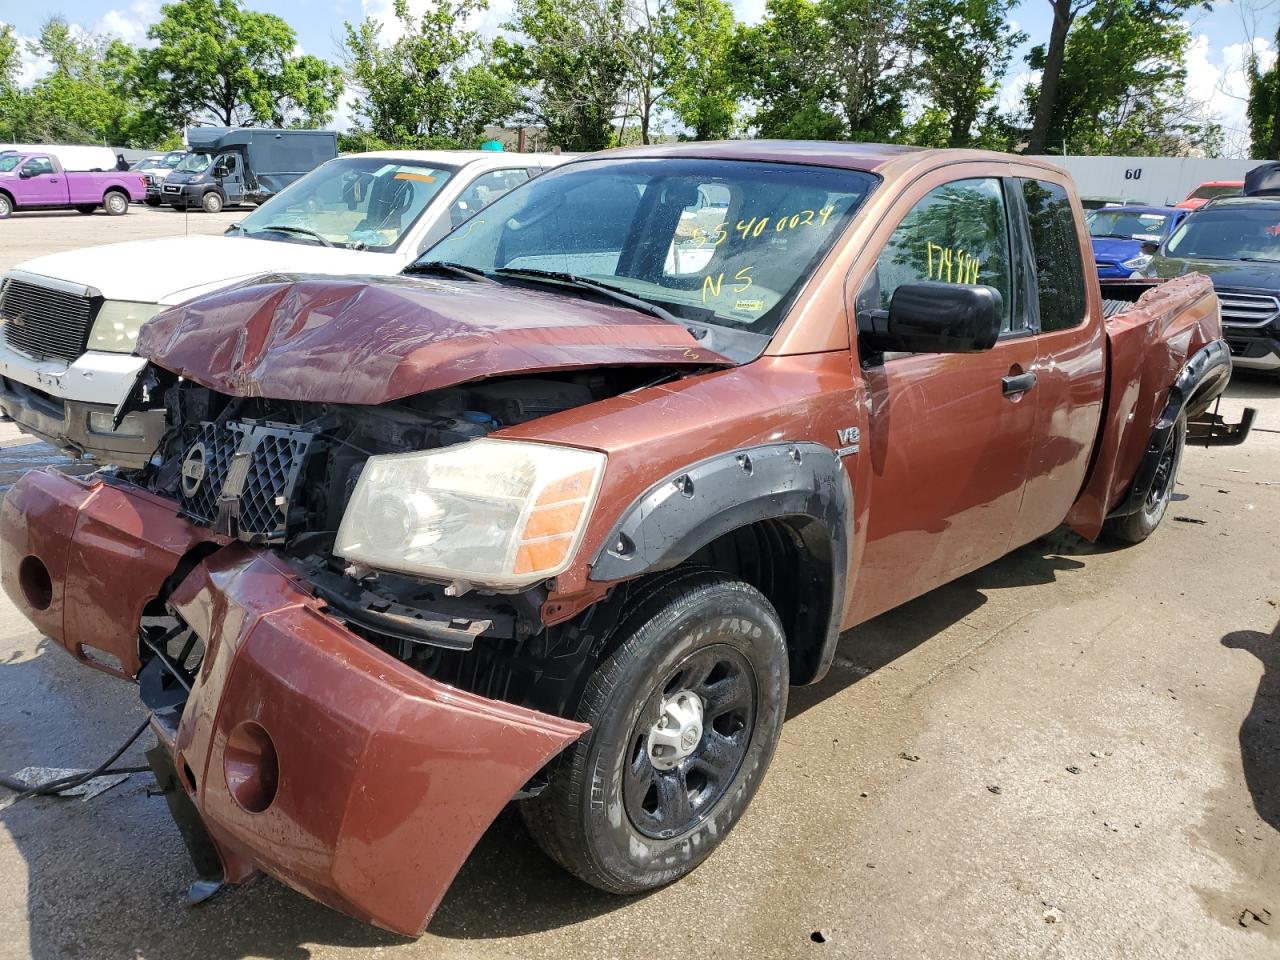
(115, 329)
(1138, 262)
(496, 512)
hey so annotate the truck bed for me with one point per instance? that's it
(1153, 328)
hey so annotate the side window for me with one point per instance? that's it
(958, 233)
(485, 189)
(1056, 247)
(37, 166)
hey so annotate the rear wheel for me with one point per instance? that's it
(212, 202)
(116, 203)
(684, 715)
(6, 206)
(1140, 524)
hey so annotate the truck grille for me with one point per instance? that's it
(1248, 309)
(43, 322)
(242, 476)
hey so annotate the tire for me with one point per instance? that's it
(115, 203)
(1137, 526)
(86, 208)
(211, 202)
(611, 815)
(6, 206)
(152, 201)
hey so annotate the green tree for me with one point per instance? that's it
(569, 67)
(216, 59)
(826, 69)
(434, 85)
(87, 94)
(1264, 107)
(697, 46)
(965, 47)
(1121, 86)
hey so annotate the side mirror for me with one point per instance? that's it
(25, 174)
(219, 170)
(932, 317)
(1149, 248)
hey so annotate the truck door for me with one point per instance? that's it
(949, 436)
(1070, 367)
(229, 173)
(43, 185)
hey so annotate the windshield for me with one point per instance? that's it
(1208, 193)
(1228, 233)
(365, 203)
(194, 163)
(172, 160)
(723, 242)
(1126, 224)
(9, 162)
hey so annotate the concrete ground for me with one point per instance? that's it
(1074, 752)
(27, 235)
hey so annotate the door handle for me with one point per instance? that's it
(1019, 384)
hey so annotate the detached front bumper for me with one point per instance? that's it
(73, 405)
(305, 752)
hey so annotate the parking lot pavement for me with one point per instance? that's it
(1073, 752)
(26, 235)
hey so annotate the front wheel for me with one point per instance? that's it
(1137, 526)
(684, 714)
(212, 202)
(116, 204)
(152, 201)
(86, 208)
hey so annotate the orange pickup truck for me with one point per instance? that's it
(559, 515)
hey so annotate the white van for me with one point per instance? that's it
(71, 157)
(71, 319)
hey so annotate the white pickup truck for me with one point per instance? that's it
(71, 319)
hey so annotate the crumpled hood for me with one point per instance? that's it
(369, 340)
(174, 269)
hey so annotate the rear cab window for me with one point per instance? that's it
(1055, 248)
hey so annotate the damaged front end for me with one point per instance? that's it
(348, 731)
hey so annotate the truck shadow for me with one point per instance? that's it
(878, 642)
(107, 877)
(1260, 730)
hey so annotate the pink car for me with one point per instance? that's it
(36, 181)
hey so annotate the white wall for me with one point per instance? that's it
(1153, 180)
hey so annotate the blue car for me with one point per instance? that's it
(1119, 232)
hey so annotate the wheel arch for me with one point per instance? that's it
(778, 516)
(116, 188)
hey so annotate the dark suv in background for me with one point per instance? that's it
(1236, 241)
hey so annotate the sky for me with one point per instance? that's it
(1215, 63)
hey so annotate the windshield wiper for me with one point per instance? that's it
(286, 228)
(1259, 259)
(448, 266)
(560, 278)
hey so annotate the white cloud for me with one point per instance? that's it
(1219, 81)
(130, 24)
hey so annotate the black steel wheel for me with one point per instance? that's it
(690, 741)
(1137, 526)
(685, 712)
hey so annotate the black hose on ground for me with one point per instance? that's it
(52, 788)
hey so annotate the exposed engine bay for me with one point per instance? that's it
(281, 474)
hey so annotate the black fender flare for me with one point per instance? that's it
(1207, 371)
(697, 505)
